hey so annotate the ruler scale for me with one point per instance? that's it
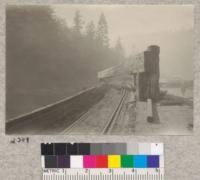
(102, 161)
(137, 174)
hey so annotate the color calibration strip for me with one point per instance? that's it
(102, 161)
(102, 155)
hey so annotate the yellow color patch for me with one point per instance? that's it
(114, 161)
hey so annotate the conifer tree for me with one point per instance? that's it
(102, 31)
(78, 23)
(90, 30)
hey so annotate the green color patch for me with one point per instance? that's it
(126, 161)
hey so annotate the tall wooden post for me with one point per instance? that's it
(152, 74)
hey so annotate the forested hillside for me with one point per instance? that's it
(47, 60)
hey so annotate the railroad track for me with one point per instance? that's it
(109, 126)
(70, 128)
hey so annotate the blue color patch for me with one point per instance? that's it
(140, 161)
(153, 161)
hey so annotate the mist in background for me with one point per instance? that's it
(53, 52)
(138, 26)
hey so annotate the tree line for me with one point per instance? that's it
(97, 34)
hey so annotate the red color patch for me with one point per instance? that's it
(102, 161)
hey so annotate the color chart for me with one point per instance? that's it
(97, 159)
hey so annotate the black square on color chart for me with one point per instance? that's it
(63, 161)
(60, 149)
(84, 148)
(72, 149)
(47, 149)
(51, 161)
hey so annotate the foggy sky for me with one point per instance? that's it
(143, 25)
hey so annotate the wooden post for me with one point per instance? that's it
(155, 114)
(152, 112)
(137, 87)
(152, 76)
(149, 110)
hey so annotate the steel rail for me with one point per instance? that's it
(115, 115)
(80, 119)
(109, 125)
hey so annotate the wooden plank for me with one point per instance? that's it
(111, 72)
(134, 65)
